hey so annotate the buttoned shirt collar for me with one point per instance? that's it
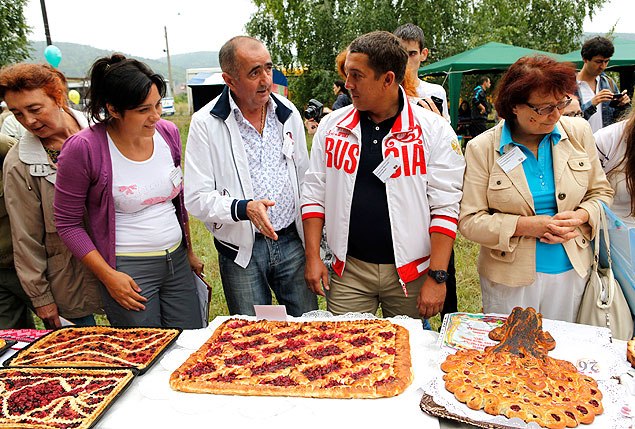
(506, 137)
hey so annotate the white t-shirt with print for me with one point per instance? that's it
(145, 217)
(587, 94)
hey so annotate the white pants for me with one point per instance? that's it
(556, 296)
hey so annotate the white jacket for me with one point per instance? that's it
(217, 180)
(423, 193)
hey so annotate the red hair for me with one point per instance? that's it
(528, 74)
(23, 76)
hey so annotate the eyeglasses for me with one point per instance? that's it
(546, 110)
(574, 114)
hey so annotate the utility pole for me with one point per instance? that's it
(167, 52)
(46, 25)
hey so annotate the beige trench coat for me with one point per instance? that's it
(48, 272)
(494, 200)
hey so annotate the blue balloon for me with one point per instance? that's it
(53, 55)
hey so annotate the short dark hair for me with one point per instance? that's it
(597, 45)
(122, 82)
(483, 79)
(227, 54)
(384, 52)
(529, 74)
(411, 32)
(341, 85)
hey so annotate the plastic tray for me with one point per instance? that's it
(141, 371)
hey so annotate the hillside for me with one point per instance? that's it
(77, 59)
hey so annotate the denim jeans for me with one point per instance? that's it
(276, 266)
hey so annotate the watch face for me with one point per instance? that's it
(439, 276)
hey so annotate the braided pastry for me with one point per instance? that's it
(516, 378)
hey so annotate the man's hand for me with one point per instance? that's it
(316, 275)
(431, 298)
(123, 289)
(625, 100)
(311, 126)
(604, 96)
(257, 213)
(481, 109)
(195, 263)
(49, 315)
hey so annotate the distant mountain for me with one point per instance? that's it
(77, 59)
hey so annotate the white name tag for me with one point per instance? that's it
(511, 159)
(287, 146)
(176, 177)
(387, 168)
(271, 312)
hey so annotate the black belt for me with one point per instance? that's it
(284, 231)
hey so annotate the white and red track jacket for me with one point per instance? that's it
(423, 193)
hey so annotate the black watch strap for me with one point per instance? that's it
(439, 276)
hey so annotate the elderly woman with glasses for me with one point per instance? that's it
(529, 194)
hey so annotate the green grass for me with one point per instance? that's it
(466, 253)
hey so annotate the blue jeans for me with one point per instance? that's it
(84, 321)
(276, 266)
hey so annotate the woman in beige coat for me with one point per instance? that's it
(56, 282)
(529, 194)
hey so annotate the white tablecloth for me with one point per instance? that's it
(150, 402)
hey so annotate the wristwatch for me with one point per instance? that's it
(439, 276)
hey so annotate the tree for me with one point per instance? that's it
(14, 46)
(310, 33)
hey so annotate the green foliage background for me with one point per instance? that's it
(310, 33)
(13, 32)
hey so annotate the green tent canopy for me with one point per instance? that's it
(491, 56)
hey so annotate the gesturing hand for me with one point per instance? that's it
(257, 214)
(316, 276)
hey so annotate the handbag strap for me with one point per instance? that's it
(603, 231)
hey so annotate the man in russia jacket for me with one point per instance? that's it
(385, 178)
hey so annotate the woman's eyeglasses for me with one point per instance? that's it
(546, 110)
(574, 114)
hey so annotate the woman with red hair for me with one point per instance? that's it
(529, 195)
(55, 281)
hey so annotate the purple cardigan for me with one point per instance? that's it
(84, 184)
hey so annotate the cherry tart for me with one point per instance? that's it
(347, 359)
(57, 398)
(96, 346)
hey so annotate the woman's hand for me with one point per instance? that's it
(49, 315)
(564, 226)
(195, 263)
(123, 289)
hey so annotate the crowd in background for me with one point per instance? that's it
(96, 204)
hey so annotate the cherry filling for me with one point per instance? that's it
(582, 410)
(356, 331)
(249, 344)
(389, 350)
(241, 359)
(295, 344)
(385, 381)
(290, 334)
(515, 408)
(320, 371)
(253, 332)
(326, 337)
(364, 372)
(386, 335)
(283, 380)
(275, 366)
(228, 378)
(361, 341)
(271, 350)
(334, 383)
(214, 352)
(225, 337)
(323, 351)
(365, 356)
(200, 368)
(237, 324)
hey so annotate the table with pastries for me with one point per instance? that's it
(149, 401)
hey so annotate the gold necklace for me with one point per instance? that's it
(262, 120)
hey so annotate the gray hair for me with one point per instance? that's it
(227, 54)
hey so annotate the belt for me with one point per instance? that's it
(155, 253)
(284, 231)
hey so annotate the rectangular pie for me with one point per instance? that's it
(344, 359)
(96, 346)
(56, 398)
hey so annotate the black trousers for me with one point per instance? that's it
(450, 305)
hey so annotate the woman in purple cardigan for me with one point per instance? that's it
(124, 175)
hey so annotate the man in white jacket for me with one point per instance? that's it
(385, 177)
(244, 165)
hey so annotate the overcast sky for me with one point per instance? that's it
(136, 26)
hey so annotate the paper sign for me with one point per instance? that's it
(271, 312)
(511, 159)
(176, 177)
(66, 322)
(287, 146)
(387, 168)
